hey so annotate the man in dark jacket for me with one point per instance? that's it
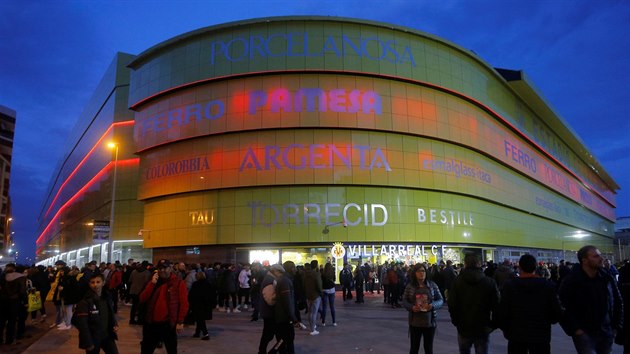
(95, 319)
(267, 307)
(472, 303)
(594, 309)
(529, 306)
(284, 311)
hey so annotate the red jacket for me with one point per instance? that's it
(169, 302)
(114, 280)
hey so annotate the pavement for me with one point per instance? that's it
(371, 327)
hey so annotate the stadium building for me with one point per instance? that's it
(294, 138)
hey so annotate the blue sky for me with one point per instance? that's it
(53, 54)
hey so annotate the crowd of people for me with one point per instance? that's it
(523, 300)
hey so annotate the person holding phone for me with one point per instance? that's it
(421, 298)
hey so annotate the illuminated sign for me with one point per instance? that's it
(315, 156)
(297, 45)
(178, 167)
(201, 217)
(352, 213)
(389, 250)
(277, 100)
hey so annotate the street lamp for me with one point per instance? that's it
(110, 246)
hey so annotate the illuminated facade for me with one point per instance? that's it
(274, 139)
(7, 132)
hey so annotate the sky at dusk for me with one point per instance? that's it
(54, 53)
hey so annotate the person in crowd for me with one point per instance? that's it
(611, 269)
(291, 273)
(13, 298)
(258, 275)
(201, 299)
(95, 319)
(328, 293)
(71, 293)
(41, 283)
(422, 298)
(228, 286)
(138, 279)
(359, 281)
(563, 270)
(313, 291)
(385, 284)
(623, 337)
(126, 274)
(114, 282)
(472, 303)
(284, 310)
(267, 307)
(166, 300)
(345, 277)
(448, 275)
(244, 287)
(529, 306)
(54, 295)
(392, 281)
(503, 273)
(191, 275)
(593, 306)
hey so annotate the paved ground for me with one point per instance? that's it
(371, 327)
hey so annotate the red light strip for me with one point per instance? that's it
(76, 169)
(392, 77)
(109, 166)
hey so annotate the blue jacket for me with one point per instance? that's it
(593, 305)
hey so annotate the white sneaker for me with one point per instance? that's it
(334, 324)
(244, 307)
(64, 328)
(323, 324)
(314, 333)
(237, 311)
(302, 325)
(228, 310)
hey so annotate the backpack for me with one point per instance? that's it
(269, 293)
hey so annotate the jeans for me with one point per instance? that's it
(67, 315)
(480, 342)
(416, 334)
(268, 332)
(588, 343)
(330, 299)
(313, 307)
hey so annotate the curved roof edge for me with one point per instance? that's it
(198, 32)
(524, 87)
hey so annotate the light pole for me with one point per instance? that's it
(110, 246)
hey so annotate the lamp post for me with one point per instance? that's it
(110, 246)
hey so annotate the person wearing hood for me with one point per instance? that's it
(529, 306)
(472, 303)
(13, 298)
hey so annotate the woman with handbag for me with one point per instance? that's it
(421, 298)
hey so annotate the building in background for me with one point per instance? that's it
(7, 132)
(91, 211)
(296, 138)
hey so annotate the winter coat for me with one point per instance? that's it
(472, 302)
(167, 301)
(591, 304)
(72, 292)
(418, 319)
(138, 280)
(312, 284)
(13, 287)
(201, 298)
(528, 308)
(89, 321)
(284, 310)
